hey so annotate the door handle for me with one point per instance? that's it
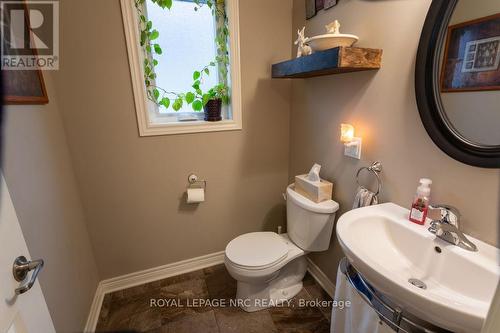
(20, 270)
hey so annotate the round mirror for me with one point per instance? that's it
(458, 79)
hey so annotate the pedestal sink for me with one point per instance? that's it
(432, 279)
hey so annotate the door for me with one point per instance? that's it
(27, 312)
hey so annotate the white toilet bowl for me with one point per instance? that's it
(268, 267)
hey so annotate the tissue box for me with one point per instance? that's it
(314, 191)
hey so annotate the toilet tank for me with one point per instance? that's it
(309, 224)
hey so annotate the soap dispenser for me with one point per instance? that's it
(420, 205)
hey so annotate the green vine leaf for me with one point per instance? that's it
(154, 35)
(205, 99)
(156, 93)
(177, 104)
(196, 75)
(163, 3)
(165, 102)
(158, 49)
(190, 97)
(197, 105)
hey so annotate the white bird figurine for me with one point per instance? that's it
(333, 28)
(303, 49)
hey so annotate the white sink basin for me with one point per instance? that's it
(388, 250)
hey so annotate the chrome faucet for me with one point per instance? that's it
(447, 227)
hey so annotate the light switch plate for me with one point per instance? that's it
(353, 149)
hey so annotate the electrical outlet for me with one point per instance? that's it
(353, 148)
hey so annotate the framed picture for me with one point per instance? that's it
(330, 3)
(320, 4)
(310, 9)
(23, 86)
(471, 59)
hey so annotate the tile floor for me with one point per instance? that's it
(129, 310)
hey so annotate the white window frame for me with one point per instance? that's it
(148, 123)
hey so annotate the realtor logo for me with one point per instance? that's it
(30, 35)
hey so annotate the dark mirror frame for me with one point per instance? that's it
(431, 110)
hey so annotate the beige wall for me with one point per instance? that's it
(381, 105)
(41, 181)
(132, 187)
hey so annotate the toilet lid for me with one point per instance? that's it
(256, 249)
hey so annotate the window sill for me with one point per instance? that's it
(188, 127)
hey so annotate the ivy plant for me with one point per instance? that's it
(196, 97)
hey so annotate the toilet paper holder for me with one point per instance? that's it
(194, 182)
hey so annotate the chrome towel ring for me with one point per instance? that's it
(375, 168)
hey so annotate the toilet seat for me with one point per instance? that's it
(257, 250)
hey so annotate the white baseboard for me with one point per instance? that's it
(145, 276)
(95, 309)
(321, 278)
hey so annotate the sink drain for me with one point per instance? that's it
(417, 283)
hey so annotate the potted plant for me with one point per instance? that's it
(213, 101)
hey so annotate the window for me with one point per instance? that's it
(187, 44)
(189, 37)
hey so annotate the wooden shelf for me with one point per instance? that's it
(332, 61)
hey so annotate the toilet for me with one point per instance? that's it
(269, 267)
